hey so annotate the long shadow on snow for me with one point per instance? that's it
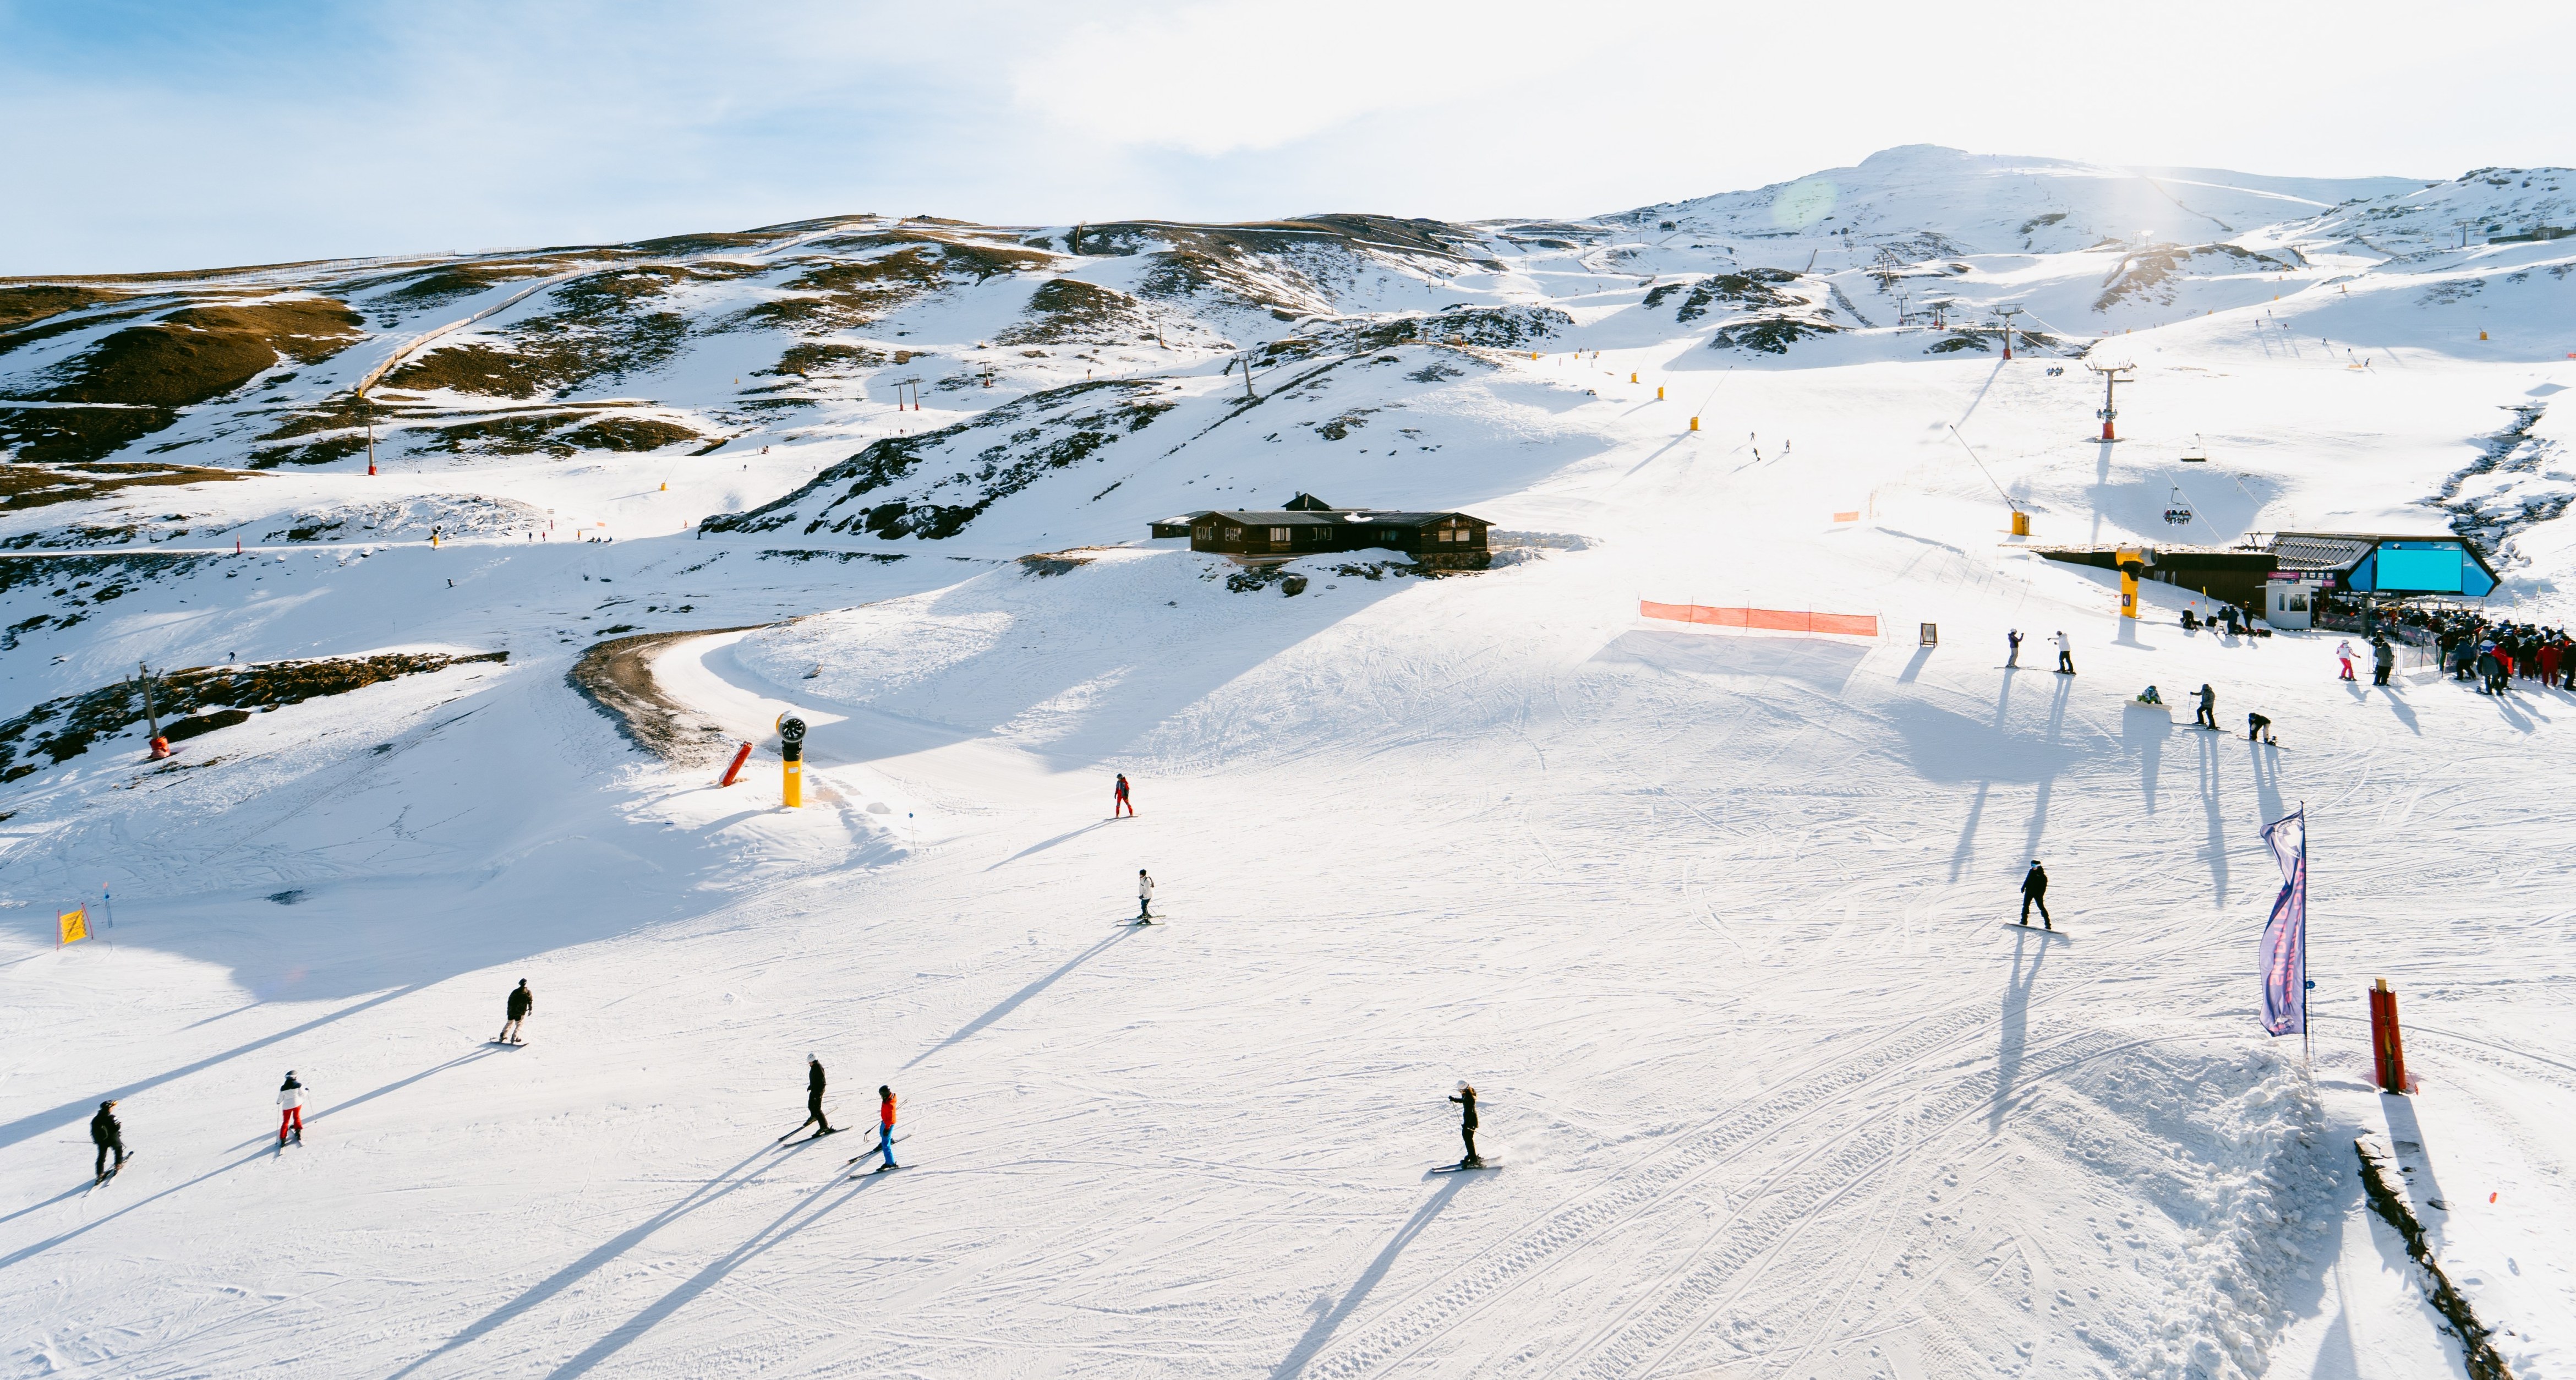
(39, 1248)
(80, 1108)
(1012, 1002)
(388, 903)
(704, 1194)
(715, 1270)
(2016, 1022)
(1331, 1318)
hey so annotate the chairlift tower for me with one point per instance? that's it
(2008, 313)
(2112, 378)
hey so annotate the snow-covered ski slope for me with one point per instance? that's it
(1718, 925)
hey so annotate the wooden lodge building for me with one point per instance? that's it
(1309, 526)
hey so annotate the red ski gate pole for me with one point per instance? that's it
(743, 754)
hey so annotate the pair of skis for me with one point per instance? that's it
(883, 1168)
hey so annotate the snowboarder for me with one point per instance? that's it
(107, 1134)
(1119, 801)
(2065, 653)
(521, 1002)
(2343, 653)
(290, 1109)
(1466, 1100)
(813, 1098)
(2034, 892)
(1144, 898)
(2208, 716)
(2012, 650)
(885, 1127)
(2383, 659)
(2258, 729)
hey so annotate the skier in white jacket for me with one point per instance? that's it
(1144, 898)
(2065, 653)
(290, 1109)
(2343, 653)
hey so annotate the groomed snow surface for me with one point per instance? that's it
(1718, 925)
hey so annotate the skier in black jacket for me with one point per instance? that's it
(813, 1098)
(106, 1134)
(2034, 892)
(522, 1001)
(1466, 1100)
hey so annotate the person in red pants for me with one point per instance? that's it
(290, 1109)
(2549, 657)
(1119, 801)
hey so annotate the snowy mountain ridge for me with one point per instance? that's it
(1719, 923)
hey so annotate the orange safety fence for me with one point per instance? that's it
(1772, 620)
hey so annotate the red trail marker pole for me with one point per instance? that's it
(740, 756)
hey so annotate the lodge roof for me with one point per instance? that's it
(1330, 517)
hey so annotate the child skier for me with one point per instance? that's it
(290, 1109)
(2034, 892)
(1144, 898)
(1466, 1100)
(885, 1127)
(2343, 653)
(2258, 729)
(1119, 801)
(516, 1009)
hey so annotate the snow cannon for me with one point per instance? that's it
(791, 750)
(2133, 562)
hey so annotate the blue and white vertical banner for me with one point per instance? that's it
(2285, 935)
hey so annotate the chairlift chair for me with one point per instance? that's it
(2198, 454)
(2178, 508)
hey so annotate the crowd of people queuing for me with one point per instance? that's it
(2493, 653)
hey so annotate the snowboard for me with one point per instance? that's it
(1462, 1167)
(2035, 929)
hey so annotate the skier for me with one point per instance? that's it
(1144, 898)
(2208, 716)
(1119, 801)
(1466, 1100)
(2383, 659)
(2065, 653)
(813, 1099)
(2343, 653)
(2258, 729)
(107, 1134)
(290, 1109)
(522, 1001)
(2012, 650)
(2034, 892)
(885, 1127)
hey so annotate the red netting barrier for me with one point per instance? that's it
(1772, 620)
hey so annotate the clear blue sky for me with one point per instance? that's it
(151, 136)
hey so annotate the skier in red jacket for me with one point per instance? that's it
(885, 1127)
(1119, 800)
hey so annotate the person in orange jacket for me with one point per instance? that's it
(885, 1127)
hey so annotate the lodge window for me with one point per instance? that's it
(1234, 534)
(1279, 534)
(1203, 533)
